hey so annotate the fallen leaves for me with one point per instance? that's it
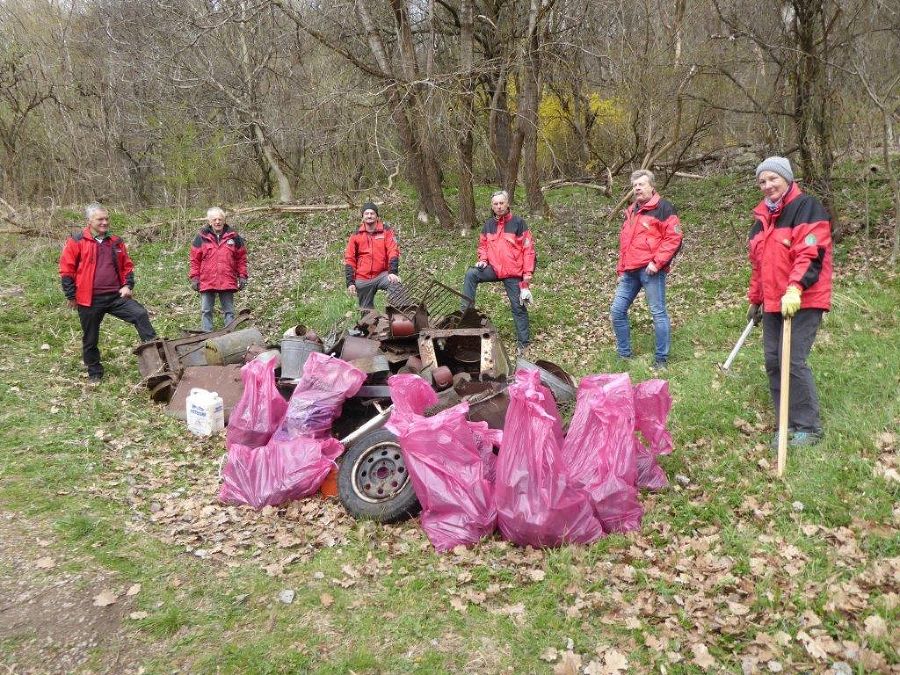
(702, 657)
(105, 599)
(876, 627)
(45, 563)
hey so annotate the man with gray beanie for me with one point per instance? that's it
(791, 265)
(372, 258)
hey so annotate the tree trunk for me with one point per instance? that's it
(285, 194)
(466, 116)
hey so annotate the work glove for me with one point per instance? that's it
(755, 313)
(525, 296)
(242, 283)
(481, 264)
(790, 301)
(195, 284)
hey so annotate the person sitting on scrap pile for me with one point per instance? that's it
(372, 258)
(505, 253)
(218, 267)
(97, 278)
(790, 259)
(649, 241)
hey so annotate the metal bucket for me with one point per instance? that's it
(294, 352)
(231, 347)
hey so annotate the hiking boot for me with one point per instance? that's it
(95, 379)
(774, 442)
(659, 367)
(800, 439)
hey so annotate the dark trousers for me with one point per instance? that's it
(803, 404)
(127, 309)
(367, 288)
(480, 275)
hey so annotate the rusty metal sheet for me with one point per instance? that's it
(224, 380)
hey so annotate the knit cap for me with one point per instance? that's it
(780, 165)
(367, 206)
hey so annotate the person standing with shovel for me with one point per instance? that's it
(790, 289)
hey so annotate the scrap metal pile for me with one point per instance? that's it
(427, 329)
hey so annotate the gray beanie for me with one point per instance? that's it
(780, 165)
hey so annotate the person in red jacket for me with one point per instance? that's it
(97, 278)
(649, 240)
(791, 265)
(505, 253)
(372, 258)
(218, 267)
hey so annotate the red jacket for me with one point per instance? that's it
(218, 264)
(368, 255)
(507, 245)
(78, 262)
(651, 233)
(791, 246)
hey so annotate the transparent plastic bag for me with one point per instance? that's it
(599, 450)
(260, 409)
(538, 503)
(444, 457)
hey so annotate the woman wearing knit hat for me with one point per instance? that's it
(790, 257)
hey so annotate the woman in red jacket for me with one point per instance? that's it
(790, 257)
(218, 267)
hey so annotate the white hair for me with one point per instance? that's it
(500, 193)
(214, 212)
(92, 208)
(644, 173)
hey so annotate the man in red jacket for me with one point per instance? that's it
(505, 253)
(372, 258)
(649, 240)
(218, 267)
(97, 278)
(791, 266)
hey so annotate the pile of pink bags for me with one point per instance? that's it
(547, 489)
(273, 459)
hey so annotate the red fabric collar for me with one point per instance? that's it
(648, 205)
(379, 227)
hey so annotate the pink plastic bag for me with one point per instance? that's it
(599, 450)
(443, 455)
(298, 457)
(538, 504)
(260, 408)
(278, 472)
(652, 403)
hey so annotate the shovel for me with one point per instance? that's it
(785, 394)
(737, 346)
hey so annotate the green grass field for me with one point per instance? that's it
(733, 568)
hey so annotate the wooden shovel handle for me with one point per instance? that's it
(785, 396)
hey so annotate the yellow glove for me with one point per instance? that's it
(790, 301)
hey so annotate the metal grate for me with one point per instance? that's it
(444, 305)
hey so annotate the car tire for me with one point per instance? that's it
(373, 482)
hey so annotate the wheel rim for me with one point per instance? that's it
(379, 474)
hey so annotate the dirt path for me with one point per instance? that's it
(50, 618)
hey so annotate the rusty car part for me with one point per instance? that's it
(224, 350)
(161, 362)
(224, 380)
(359, 347)
(443, 377)
(562, 386)
(493, 361)
(427, 302)
(402, 326)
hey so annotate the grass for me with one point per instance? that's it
(91, 464)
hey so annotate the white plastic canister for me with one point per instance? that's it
(205, 412)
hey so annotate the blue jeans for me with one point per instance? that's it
(208, 304)
(654, 285)
(480, 275)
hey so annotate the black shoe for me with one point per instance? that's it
(95, 379)
(659, 367)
